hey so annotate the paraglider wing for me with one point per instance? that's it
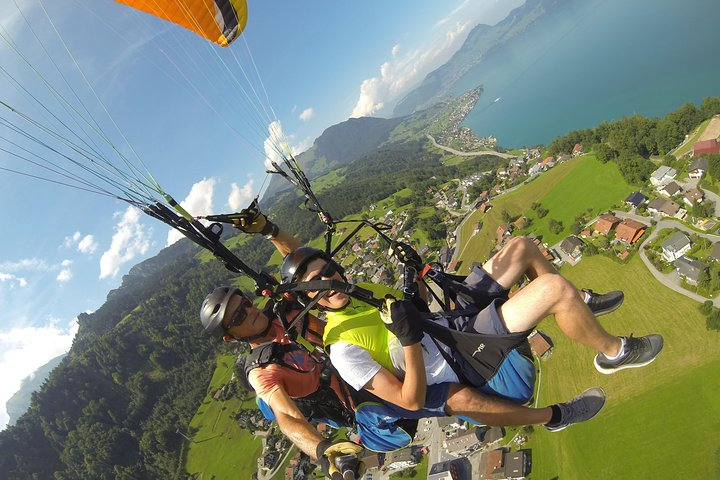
(220, 21)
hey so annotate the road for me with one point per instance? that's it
(469, 154)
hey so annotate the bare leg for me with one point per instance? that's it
(517, 258)
(491, 410)
(551, 294)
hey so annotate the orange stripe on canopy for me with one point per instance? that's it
(220, 21)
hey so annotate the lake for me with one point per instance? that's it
(600, 60)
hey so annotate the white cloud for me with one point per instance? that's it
(240, 196)
(130, 240)
(12, 280)
(72, 240)
(87, 245)
(84, 244)
(24, 264)
(277, 143)
(402, 72)
(66, 263)
(198, 202)
(307, 114)
(450, 16)
(64, 276)
(273, 144)
(24, 350)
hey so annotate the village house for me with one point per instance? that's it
(693, 196)
(636, 199)
(605, 223)
(549, 162)
(572, 246)
(540, 344)
(672, 209)
(698, 167)
(670, 189)
(402, 459)
(456, 469)
(503, 464)
(689, 269)
(485, 207)
(534, 169)
(563, 157)
(476, 227)
(675, 246)
(502, 231)
(577, 150)
(656, 205)
(662, 175)
(521, 223)
(477, 438)
(706, 147)
(629, 231)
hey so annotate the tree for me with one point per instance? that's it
(555, 226)
(713, 320)
(706, 307)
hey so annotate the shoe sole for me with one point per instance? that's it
(608, 310)
(610, 371)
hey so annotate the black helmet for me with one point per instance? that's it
(213, 309)
(296, 260)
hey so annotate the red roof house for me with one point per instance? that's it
(605, 223)
(629, 230)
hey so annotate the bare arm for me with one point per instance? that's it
(408, 393)
(293, 424)
(285, 242)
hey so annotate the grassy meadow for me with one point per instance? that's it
(660, 421)
(565, 190)
(220, 448)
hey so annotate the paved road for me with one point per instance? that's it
(469, 154)
(670, 280)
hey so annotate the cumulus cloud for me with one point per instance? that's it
(87, 245)
(273, 143)
(83, 244)
(25, 349)
(240, 196)
(198, 202)
(277, 142)
(131, 239)
(307, 114)
(403, 71)
(64, 276)
(12, 280)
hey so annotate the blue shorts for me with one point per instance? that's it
(515, 376)
(377, 422)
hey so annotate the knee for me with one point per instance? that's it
(520, 247)
(557, 287)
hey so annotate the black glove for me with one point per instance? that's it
(402, 318)
(406, 254)
(327, 452)
(252, 220)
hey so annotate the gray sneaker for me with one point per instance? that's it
(603, 303)
(637, 352)
(580, 409)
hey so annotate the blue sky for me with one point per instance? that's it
(166, 91)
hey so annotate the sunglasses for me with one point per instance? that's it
(330, 269)
(239, 315)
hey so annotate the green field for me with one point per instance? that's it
(220, 448)
(566, 190)
(661, 421)
(686, 147)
